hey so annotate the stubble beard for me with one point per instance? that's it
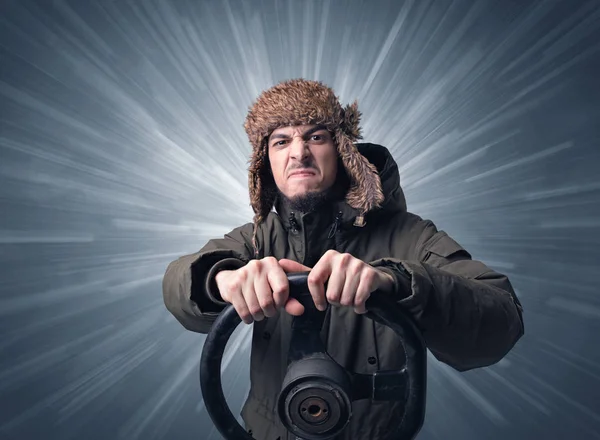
(313, 200)
(307, 202)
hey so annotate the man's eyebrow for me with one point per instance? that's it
(314, 130)
(278, 136)
(304, 135)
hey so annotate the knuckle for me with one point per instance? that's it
(343, 259)
(255, 310)
(332, 296)
(359, 300)
(235, 285)
(254, 266)
(266, 303)
(346, 301)
(278, 290)
(331, 252)
(242, 274)
(361, 296)
(355, 269)
(369, 275)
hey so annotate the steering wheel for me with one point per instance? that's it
(316, 394)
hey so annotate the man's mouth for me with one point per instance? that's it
(302, 173)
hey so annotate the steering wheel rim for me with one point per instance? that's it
(380, 308)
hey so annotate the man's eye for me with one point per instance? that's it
(279, 143)
(317, 137)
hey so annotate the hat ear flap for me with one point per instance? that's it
(351, 121)
(255, 181)
(365, 191)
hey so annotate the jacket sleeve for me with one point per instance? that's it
(469, 314)
(189, 290)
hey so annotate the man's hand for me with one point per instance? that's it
(259, 288)
(350, 281)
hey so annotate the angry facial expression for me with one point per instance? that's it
(303, 159)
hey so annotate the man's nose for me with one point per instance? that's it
(299, 148)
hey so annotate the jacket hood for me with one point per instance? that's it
(387, 169)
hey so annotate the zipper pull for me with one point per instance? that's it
(335, 225)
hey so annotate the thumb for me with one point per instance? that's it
(293, 307)
(292, 266)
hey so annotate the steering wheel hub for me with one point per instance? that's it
(315, 402)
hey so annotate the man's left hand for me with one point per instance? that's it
(350, 281)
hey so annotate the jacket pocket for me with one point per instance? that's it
(445, 253)
(442, 249)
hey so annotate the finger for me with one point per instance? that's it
(239, 304)
(264, 295)
(293, 307)
(235, 297)
(351, 282)
(360, 310)
(279, 286)
(292, 266)
(363, 292)
(316, 286)
(221, 279)
(335, 287)
(337, 278)
(319, 277)
(252, 300)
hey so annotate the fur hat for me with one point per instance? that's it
(305, 102)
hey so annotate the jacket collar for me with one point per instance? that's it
(324, 216)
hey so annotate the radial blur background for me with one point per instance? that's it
(122, 148)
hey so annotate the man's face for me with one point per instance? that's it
(303, 159)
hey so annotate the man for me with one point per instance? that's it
(326, 204)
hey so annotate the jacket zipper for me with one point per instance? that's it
(293, 222)
(335, 225)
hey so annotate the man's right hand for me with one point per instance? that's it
(259, 288)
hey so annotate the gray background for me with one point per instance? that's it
(122, 148)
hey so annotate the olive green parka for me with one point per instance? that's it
(468, 313)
